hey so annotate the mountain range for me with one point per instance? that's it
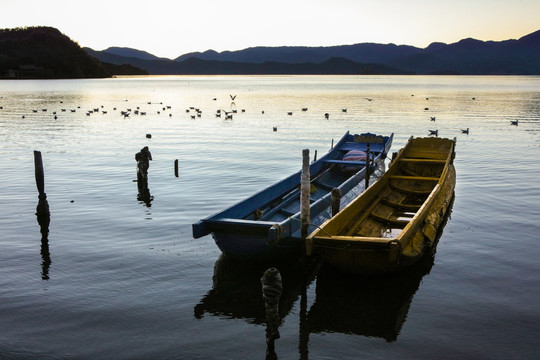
(44, 52)
(468, 57)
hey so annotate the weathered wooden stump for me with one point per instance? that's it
(143, 158)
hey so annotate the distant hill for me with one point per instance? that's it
(130, 53)
(467, 57)
(46, 53)
(333, 66)
(475, 57)
(195, 66)
(360, 53)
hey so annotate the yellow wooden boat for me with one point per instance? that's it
(392, 224)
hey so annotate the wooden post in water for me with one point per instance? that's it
(394, 155)
(143, 158)
(368, 166)
(42, 209)
(305, 190)
(336, 200)
(43, 215)
(271, 290)
(38, 170)
(176, 167)
(315, 156)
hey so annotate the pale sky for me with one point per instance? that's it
(170, 28)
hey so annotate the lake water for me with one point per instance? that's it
(119, 278)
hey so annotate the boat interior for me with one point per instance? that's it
(392, 202)
(332, 175)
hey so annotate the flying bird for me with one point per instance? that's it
(232, 97)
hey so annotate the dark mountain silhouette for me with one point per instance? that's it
(46, 53)
(130, 53)
(195, 66)
(153, 67)
(468, 57)
(361, 53)
(475, 57)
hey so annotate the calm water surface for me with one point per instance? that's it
(119, 278)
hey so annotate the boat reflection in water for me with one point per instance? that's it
(372, 306)
(237, 290)
(367, 306)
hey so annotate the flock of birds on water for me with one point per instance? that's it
(197, 113)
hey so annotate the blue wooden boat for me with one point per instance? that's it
(268, 223)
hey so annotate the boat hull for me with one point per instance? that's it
(268, 223)
(371, 259)
(256, 244)
(384, 254)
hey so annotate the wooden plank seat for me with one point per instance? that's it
(425, 161)
(323, 186)
(400, 206)
(414, 178)
(392, 222)
(409, 191)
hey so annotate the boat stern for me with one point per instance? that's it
(199, 229)
(366, 257)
